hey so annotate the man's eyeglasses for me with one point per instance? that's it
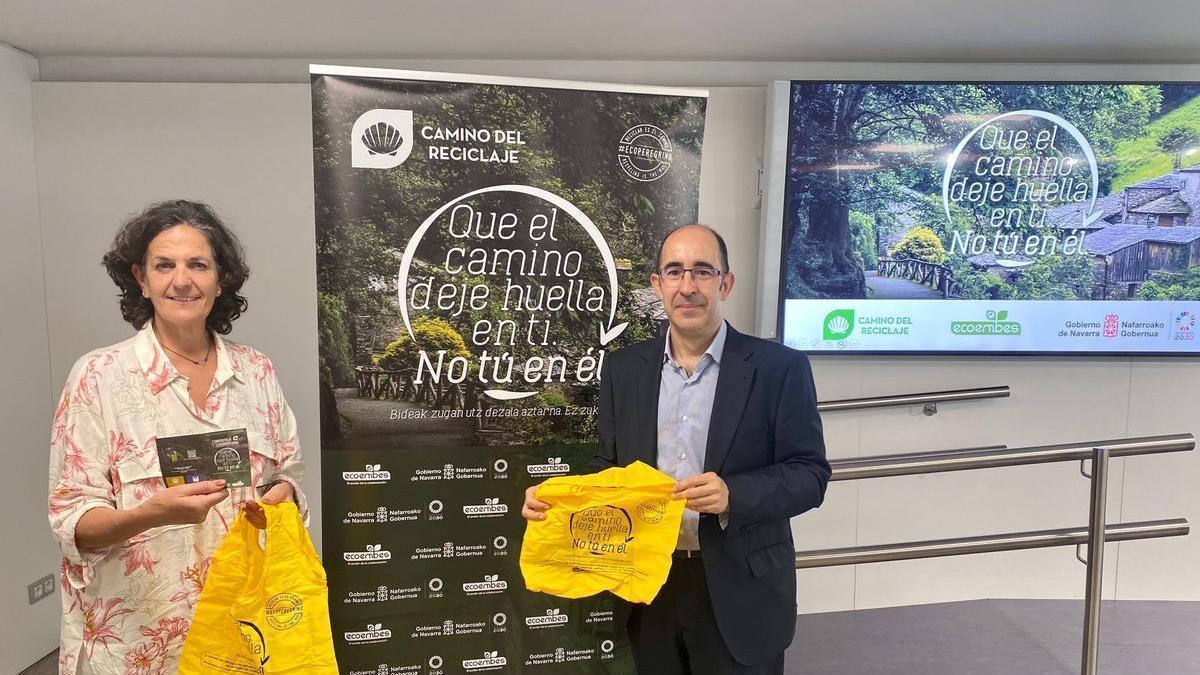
(700, 275)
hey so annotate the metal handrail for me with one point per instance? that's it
(934, 397)
(906, 464)
(1014, 541)
(1094, 535)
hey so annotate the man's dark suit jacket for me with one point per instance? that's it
(765, 441)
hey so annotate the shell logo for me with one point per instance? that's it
(838, 324)
(381, 139)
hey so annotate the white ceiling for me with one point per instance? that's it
(1097, 31)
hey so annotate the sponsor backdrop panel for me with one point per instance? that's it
(482, 244)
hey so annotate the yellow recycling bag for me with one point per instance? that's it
(262, 612)
(609, 531)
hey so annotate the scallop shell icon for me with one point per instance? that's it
(381, 139)
(838, 324)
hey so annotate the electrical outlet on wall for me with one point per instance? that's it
(41, 588)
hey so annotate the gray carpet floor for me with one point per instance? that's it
(998, 637)
(982, 637)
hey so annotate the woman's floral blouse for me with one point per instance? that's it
(127, 608)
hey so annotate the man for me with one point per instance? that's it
(733, 419)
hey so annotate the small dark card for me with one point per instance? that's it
(212, 456)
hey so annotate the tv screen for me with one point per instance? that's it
(1043, 218)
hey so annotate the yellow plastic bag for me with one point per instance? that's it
(609, 531)
(262, 612)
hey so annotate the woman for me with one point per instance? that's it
(135, 552)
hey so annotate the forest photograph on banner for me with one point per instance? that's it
(482, 245)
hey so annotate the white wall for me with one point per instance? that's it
(106, 149)
(733, 132)
(31, 631)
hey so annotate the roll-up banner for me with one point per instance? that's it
(482, 244)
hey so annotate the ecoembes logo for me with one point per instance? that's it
(997, 323)
(373, 555)
(838, 324)
(490, 508)
(553, 466)
(553, 617)
(492, 583)
(490, 661)
(375, 632)
(371, 474)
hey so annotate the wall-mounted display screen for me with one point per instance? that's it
(991, 217)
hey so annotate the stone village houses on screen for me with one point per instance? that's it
(1149, 227)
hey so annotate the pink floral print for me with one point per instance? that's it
(127, 608)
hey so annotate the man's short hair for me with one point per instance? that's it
(720, 245)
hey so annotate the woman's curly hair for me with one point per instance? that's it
(129, 249)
